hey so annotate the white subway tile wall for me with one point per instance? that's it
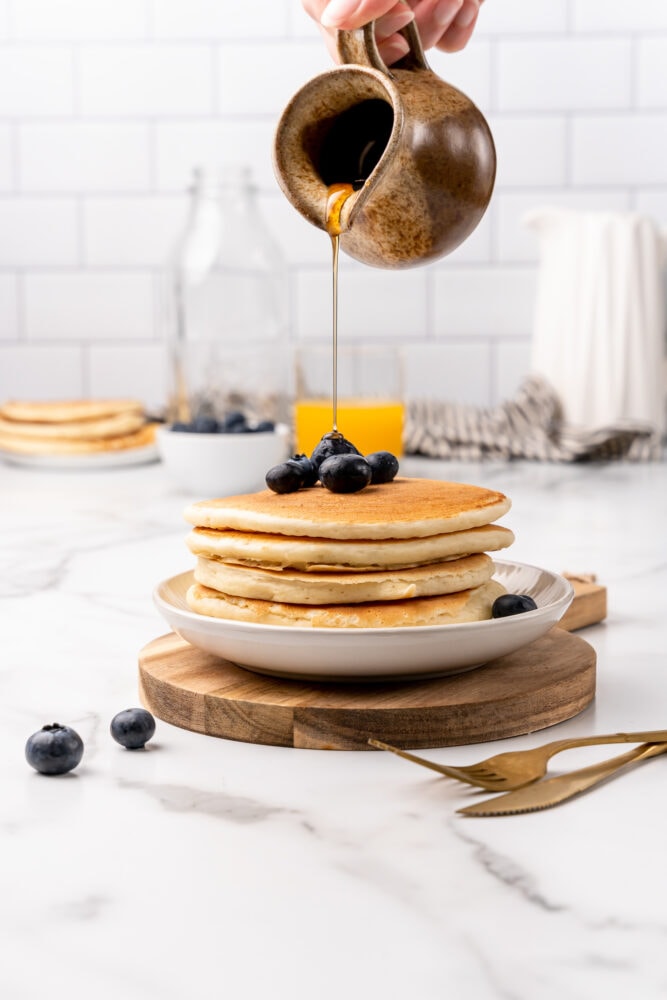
(106, 107)
(6, 157)
(9, 316)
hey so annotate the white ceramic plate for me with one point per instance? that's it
(371, 654)
(93, 460)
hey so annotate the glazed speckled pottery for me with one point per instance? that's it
(418, 152)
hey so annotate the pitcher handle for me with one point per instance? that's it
(359, 47)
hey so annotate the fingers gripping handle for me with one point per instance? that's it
(359, 48)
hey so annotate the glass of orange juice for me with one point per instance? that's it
(370, 407)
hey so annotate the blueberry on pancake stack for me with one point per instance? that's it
(407, 553)
(74, 427)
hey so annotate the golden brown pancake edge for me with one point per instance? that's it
(447, 609)
(405, 508)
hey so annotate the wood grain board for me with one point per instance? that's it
(589, 605)
(546, 682)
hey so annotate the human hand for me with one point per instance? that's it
(443, 24)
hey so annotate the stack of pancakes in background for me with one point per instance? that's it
(407, 553)
(74, 427)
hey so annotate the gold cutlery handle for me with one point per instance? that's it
(649, 736)
(586, 777)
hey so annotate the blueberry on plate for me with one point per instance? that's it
(332, 444)
(345, 473)
(181, 425)
(287, 477)
(310, 473)
(54, 749)
(512, 604)
(132, 728)
(263, 427)
(384, 466)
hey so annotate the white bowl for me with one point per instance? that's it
(221, 464)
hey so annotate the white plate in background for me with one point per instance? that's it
(81, 462)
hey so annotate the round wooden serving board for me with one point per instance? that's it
(546, 682)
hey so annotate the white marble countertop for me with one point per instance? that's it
(204, 867)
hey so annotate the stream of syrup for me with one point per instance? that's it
(337, 195)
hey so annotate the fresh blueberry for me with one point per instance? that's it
(384, 466)
(233, 422)
(133, 728)
(285, 478)
(345, 473)
(512, 604)
(181, 425)
(55, 749)
(332, 444)
(263, 427)
(204, 425)
(310, 473)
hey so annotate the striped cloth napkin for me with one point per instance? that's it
(529, 426)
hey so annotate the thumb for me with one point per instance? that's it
(350, 14)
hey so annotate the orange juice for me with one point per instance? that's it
(370, 424)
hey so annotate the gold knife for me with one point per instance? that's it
(552, 791)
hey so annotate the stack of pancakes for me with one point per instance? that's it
(74, 427)
(411, 552)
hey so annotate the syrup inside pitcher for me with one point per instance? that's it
(417, 152)
(352, 148)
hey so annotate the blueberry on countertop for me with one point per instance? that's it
(310, 473)
(332, 444)
(345, 473)
(384, 466)
(512, 604)
(288, 477)
(54, 749)
(133, 728)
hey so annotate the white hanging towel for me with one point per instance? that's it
(599, 328)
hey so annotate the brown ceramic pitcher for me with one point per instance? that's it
(418, 152)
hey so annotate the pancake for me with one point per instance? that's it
(447, 609)
(77, 430)
(292, 587)
(319, 555)
(405, 508)
(63, 411)
(61, 446)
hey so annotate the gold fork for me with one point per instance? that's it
(517, 768)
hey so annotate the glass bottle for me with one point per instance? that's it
(227, 312)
